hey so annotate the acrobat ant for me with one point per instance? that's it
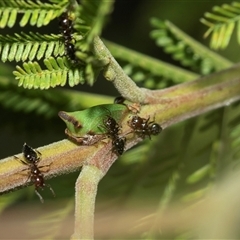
(31, 159)
(113, 129)
(143, 127)
(65, 25)
(111, 126)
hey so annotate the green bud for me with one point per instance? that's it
(86, 126)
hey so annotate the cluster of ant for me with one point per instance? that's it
(31, 159)
(141, 126)
(65, 25)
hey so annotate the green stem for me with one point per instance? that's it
(86, 191)
(114, 73)
(168, 106)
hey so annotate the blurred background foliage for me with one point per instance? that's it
(180, 165)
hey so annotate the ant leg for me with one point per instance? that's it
(48, 165)
(37, 152)
(39, 195)
(23, 162)
(149, 135)
(20, 160)
(49, 186)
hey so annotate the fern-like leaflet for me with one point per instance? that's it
(31, 75)
(22, 47)
(221, 24)
(147, 71)
(185, 49)
(90, 19)
(36, 13)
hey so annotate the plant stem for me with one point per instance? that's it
(86, 191)
(114, 73)
(168, 106)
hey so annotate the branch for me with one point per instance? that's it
(86, 191)
(168, 106)
(114, 73)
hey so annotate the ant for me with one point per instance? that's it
(143, 127)
(31, 159)
(111, 125)
(113, 129)
(65, 25)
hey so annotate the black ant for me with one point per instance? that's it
(143, 127)
(111, 125)
(31, 159)
(113, 129)
(65, 25)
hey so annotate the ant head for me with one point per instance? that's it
(64, 21)
(110, 122)
(29, 154)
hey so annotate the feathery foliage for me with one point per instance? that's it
(45, 103)
(22, 47)
(179, 165)
(34, 12)
(49, 47)
(186, 50)
(151, 73)
(90, 20)
(221, 24)
(37, 102)
(31, 75)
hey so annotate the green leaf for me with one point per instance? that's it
(90, 19)
(199, 174)
(34, 12)
(150, 72)
(221, 24)
(31, 75)
(22, 47)
(186, 50)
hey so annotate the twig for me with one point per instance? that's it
(168, 106)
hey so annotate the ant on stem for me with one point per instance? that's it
(31, 159)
